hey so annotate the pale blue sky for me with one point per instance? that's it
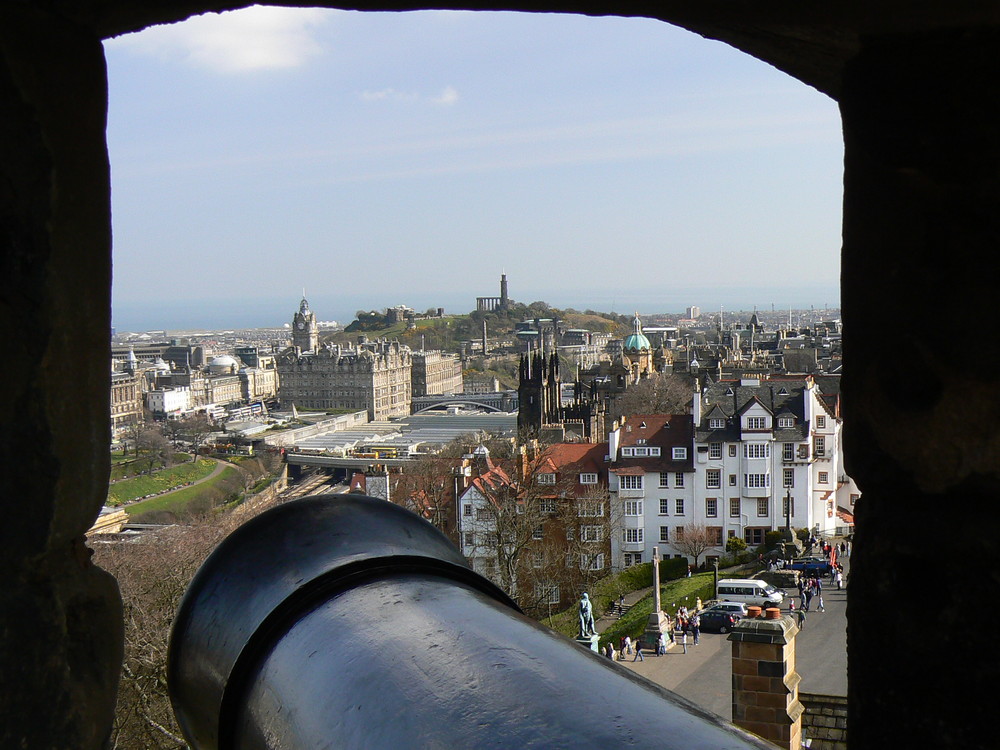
(409, 158)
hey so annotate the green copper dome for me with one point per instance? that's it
(636, 341)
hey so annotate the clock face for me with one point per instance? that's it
(301, 325)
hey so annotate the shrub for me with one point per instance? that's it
(735, 545)
(772, 540)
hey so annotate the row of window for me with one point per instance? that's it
(714, 533)
(549, 478)
(677, 453)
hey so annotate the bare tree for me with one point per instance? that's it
(152, 447)
(695, 541)
(665, 393)
(195, 428)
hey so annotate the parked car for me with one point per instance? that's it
(812, 566)
(718, 621)
(737, 608)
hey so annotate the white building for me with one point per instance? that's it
(652, 480)
(169, 400)
(769, 451)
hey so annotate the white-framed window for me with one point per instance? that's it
(485, 514)
(654, 451)
(855, 498)
(732, 480)
(679, 506)
(711, 507)
(757, 450)
(664, 533)
(679, 454)
(588, 478)
(470, 539)
(763, 508)
(678, 479)
(716, 424)
(632, 558)
(787, 507)
(786, 421)
(592, 562)
(732, 450)
(664, 507)
(628, 482)
(664, 478)
(538, 532)
(632, 536)
(824, 477)
(715, 451)
(547, 592)
(467, 510)
(788, 451)
(570, 533)
(756, 423)
(757, 481)
(678, 534)
(821, 422)
(819, 445)
(788, 477)
(547, 505)
(590, 508)
(546, 479)
(591, 533)
(713, 479)
(633, 507)
(537, 559)
(734, 507)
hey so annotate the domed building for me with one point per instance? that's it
(637, 353)
(224, 365)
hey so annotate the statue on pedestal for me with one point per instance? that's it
(587, 628)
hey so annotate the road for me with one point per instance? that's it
(703, 675)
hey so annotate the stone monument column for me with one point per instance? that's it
(657, 623)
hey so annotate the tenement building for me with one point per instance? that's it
(436, 373)
(374, 375)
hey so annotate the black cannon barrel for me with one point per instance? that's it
(342, 621)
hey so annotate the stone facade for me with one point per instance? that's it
(126, 401)
(375, 376)
(435, 373)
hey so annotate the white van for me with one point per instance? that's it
(751, 592)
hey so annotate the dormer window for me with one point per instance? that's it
(716, 424)
(642, 425)
(679, 454)
(756, 423)
(588, 478)
(546, 479)
(786, 421)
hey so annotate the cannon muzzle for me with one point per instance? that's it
(342, 621)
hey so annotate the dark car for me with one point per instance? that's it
(812, 566)
(718, 620)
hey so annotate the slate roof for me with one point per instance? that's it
(666, 431)
(729, 398)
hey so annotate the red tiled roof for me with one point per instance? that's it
(845, 515)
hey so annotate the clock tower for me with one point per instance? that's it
(305, 331)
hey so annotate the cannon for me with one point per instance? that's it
(344, 621)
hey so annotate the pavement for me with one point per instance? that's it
(704, 674)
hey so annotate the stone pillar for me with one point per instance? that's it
(657, 623)
(765, 683)
(921, 413)
(61, 638)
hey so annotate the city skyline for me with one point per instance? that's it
(384, 159)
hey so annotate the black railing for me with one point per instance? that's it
(342, 621)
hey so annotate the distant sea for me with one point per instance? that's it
(270, 312)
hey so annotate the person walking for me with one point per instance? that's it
(661, 645)
(684, 640)
(839, 578)
(802, 618)
(638, 651)
(628, 645)
(695, 627)
(821, 608)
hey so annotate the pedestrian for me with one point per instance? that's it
(817, 585)
(839, 578)
(695, 628)
(689, 571)
(628, 645)
(802, 619)
(821, 607)
(609, 651)
(684, 640)
(808, 599)
(638, 651)
(661, 645)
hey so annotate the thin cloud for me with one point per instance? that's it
(447, 97)
(255, 38)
